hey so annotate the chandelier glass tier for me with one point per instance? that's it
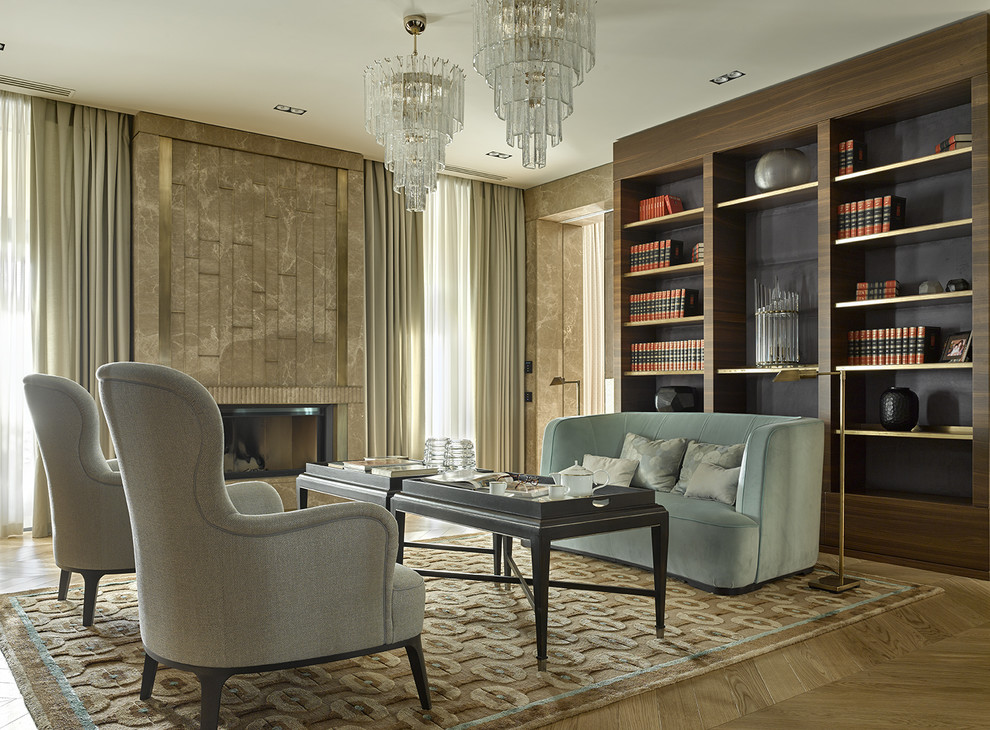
(414, 105)
(533, 53)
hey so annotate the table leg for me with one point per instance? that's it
(497, 552)
(660, 574)
(302, 497)
(400, 519)
(541, 578)
(507, 556)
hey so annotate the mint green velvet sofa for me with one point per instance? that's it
(770, 532)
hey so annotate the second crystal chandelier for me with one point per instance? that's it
(533, 53)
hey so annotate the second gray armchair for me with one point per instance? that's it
(223, 593)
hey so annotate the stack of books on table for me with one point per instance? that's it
(871, 216)
(893, 346)
(878, 289)
(387, 466)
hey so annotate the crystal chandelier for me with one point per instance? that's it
(414, 105)
(533, 53)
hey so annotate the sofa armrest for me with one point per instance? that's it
(780, 487)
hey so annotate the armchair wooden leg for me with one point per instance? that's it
(414, 649)
(211, 685)
(92, 581)
(63, 584)
(148, 677)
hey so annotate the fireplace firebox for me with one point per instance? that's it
(274, 440)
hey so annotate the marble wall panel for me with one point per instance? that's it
(255, 275)
(554, 339)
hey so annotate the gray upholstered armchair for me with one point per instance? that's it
(223, 593)
(91, 530)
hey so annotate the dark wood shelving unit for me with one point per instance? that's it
(920, 498)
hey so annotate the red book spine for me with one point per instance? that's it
(868, 217)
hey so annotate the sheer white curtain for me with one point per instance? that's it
(449, 341)
(17, 450)
(593, 392)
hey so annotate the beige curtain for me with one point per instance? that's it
(394, 311)
(593, 302)
(498, 243)
(81, 253)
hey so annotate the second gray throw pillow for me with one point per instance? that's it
(659, 461)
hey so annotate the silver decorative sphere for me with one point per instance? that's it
(782, 169)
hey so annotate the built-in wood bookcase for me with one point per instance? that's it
(919, 498)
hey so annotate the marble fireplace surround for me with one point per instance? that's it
(249, 267)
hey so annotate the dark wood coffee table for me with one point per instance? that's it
(540, 522)
(362, 486)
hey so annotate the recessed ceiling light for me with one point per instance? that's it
(2, 46)
(499, 155)
(724, 78)
(289, 109)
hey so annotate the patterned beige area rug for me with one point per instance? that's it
(479, 641)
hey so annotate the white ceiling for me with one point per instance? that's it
(228, 62)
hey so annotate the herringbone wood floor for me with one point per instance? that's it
(926, 665)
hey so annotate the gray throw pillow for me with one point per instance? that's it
(620, 471)
(727, 457)
(659, 461)
(713, 482)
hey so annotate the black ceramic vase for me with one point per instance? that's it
(898, 409)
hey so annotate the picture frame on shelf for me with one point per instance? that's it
(956, 347)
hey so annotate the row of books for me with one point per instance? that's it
(870, 216)
(878, 289)
(893, 346)
(955, 142)
(698, 253)
(658, 206)
(664, 356)
(664, 304)
(852, 156)
(655, 255)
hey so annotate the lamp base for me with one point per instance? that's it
(834, 584)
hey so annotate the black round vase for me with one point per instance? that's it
(898, 409)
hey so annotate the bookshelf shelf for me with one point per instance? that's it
(916, 366)
(773, 199)
(678, 270)
(699, 319)
(915, 234)
(762, 371)
(674, 220)
(664, 372)
(920, 167)
(948, 433)
(916, 300)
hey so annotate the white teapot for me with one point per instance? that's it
(580, 482)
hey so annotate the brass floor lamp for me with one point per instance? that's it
(560, 381)
(833, 583)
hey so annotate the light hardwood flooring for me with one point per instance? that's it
(925, 665)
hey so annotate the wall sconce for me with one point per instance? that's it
(560, 381)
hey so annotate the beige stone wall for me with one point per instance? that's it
(554, 266)
(249, 266)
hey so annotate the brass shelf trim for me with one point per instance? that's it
(699, 319)
(914, 299)
(950, 433)
(916, 366)
(664, 372)
(698, 266)
(773, 199)
(927, 166)
(915, 234)
(684, 218)
(762, 371)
